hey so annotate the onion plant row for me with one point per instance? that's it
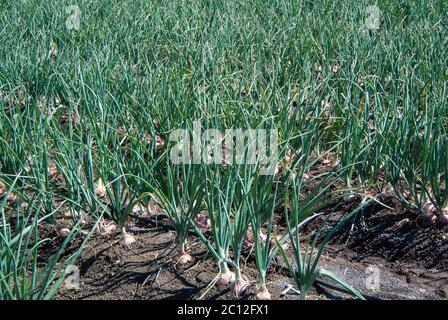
(86, 117)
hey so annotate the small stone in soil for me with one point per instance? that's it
(350, 198)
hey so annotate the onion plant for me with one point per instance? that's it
(75, 163)
(419, 162)
(240, 224)
(22, 277)
(94, 101)
(229, 211)
(262, 204)
(219, 192)
(120, 196)
(304, 266)
(179, 191)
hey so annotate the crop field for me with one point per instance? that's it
(246, 149)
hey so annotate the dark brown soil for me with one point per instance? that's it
(148, 270)
(412, 262)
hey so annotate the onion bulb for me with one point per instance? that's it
(239, 287)
(226, 276)
(106, 228)
(443, 218)
(203, 220)
(429, 217)
(62, 231)
(184, 259)
(429, 212)
(100, 188)
(126, 239)
(263, 294)
(429, 207)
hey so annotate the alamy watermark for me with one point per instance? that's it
(373, 278)
(72, 281)
(372, 21)
(233, 146)
(73, 21)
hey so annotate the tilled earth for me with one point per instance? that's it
(411, 262)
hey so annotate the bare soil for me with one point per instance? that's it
(412, 261)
